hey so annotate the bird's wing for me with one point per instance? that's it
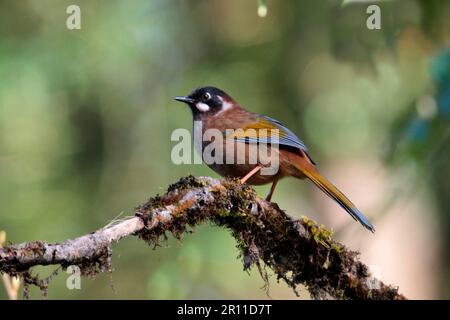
(262, 130)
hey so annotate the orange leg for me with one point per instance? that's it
(250, 174)
(272, 189)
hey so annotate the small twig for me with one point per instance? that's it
(11, 284)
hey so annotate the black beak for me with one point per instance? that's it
(184, 99)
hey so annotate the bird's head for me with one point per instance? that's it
(207, 101)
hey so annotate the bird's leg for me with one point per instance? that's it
(250, 174)
(272, 189)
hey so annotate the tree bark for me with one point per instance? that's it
(298, 251)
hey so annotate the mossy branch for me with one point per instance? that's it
(298, 251)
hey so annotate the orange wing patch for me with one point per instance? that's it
(260, 129)
(267, 130)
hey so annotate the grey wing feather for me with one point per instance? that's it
(290, 140)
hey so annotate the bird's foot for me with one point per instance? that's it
(250, 174)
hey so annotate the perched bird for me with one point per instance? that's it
(215, 109)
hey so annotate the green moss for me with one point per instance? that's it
(320, 233)
(337, 247)
(186, 183)
(224, 217)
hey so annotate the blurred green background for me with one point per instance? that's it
(86, 117)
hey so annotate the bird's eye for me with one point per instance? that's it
(206, 96)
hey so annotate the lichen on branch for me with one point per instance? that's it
(298, 251)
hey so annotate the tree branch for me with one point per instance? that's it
(298, 251)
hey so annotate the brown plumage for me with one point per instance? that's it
(245, 137)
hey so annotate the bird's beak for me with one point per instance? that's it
(184, 99)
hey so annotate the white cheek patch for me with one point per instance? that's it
(225, 106)
(203, 107)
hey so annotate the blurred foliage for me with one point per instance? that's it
(86, 116)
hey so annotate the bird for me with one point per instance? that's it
(214, 109)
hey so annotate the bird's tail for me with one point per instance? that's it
(326, 186)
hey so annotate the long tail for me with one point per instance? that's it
(326, 186)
